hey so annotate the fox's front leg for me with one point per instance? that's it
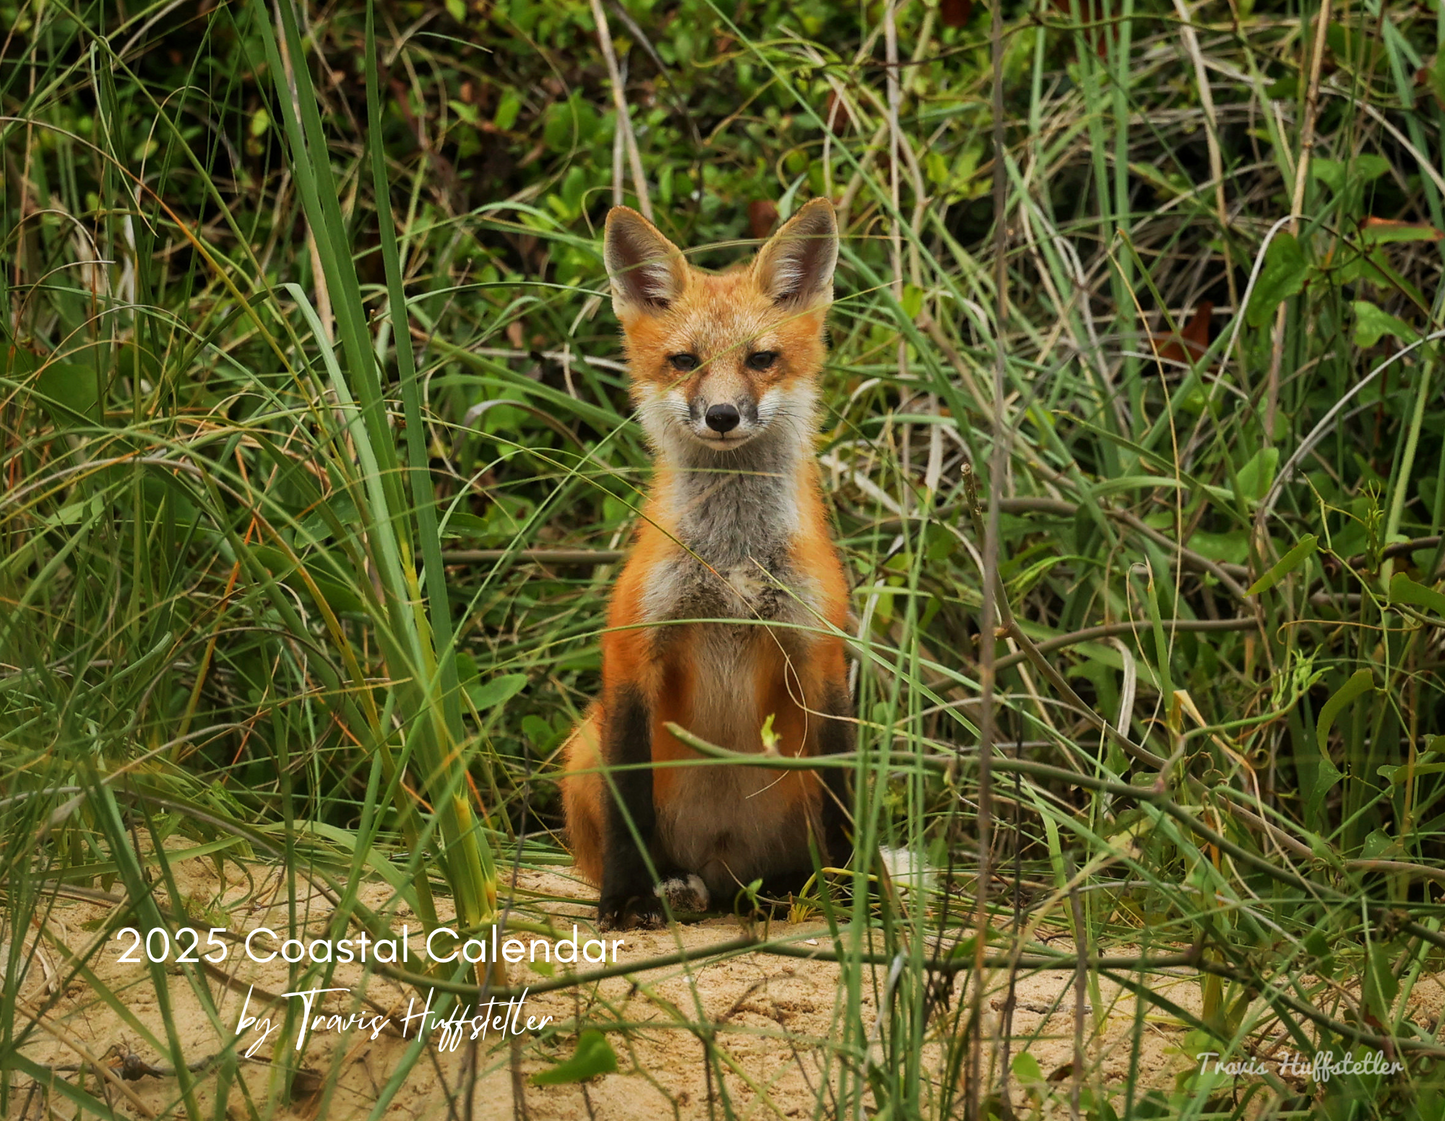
(629, 820)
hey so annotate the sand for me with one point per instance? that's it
(773, 1023)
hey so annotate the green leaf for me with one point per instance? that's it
(1380, 987)
(1256, 475)
(457, 9)
(136, 361)
(1368, 168)
(770, 737)
(1376, 231)
(71, 387)
(1318, 946)
(73, 513)
(16, 362)
(1026, 1068)
(508, 106)
(1231, 547)
(1428, 763)
(1361, 681)
(566, 122)
(459, 523)
(496, 691)
(1373, 267)
(1340, 41)
(1329, 172)
(1397, 774)
(1379, 845)
(1284, 274)
(1371, 323)
(1287, 564)
(1338, 174)
(1405, 590)
(594, 1056)
(341, 599)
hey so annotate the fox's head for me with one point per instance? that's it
(720, 360)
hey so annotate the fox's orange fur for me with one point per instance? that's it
(724, 372)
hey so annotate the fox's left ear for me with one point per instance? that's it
(796, 266)
(647, 271)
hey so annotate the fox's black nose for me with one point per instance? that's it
(722, 418)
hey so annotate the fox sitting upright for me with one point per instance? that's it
(734, 536)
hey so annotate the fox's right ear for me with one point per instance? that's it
(796, 266)
(647, 271)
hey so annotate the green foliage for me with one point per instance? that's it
(594, 1056)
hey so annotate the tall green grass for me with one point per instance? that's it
(316, 457)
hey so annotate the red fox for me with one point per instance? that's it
(734, 537)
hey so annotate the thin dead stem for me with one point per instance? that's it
(619, 102)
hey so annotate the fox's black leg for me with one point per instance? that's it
(629, 818)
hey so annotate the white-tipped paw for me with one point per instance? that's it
(684, 893)
(906, 869)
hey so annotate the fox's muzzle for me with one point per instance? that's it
(726, 420)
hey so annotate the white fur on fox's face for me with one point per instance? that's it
(722, 422)
(722, 361)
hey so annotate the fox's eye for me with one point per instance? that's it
(762, 359)
(683, 361)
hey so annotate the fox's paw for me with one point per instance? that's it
(629, 912)
(684, 893)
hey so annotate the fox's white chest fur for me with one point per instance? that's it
(734, 519)
(735, 534)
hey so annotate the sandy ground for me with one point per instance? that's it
(773, 1022)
